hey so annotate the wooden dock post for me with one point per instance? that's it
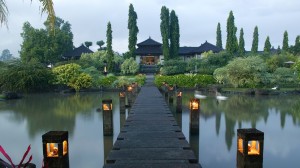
(194, 116)
(107, 117)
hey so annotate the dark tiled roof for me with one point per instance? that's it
(149, 42)
(149, 50)
(76, 52)
(151, 47)
(209, 47)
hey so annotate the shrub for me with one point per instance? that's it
(129, 66)
(26, 77)
(107, 81)
(284, 77)
(182, 80)
(172, 67)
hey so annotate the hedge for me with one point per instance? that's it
(186, 81)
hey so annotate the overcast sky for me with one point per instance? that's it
(197, 18)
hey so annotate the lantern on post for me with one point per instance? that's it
(250, 145)
(105, 68)
(55, 149)
(179, 102)
(129, 95)
(194, 116)
(122, 97)
(107, 117)
(170, 94)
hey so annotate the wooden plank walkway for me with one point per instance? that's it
(151, 136)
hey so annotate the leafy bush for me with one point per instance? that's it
(26, 77)
(172, 67)
(107, 81)
(284, 77)
(71, 75)
(182, 80)
(129, 66)
(244, 72)
(276, 61)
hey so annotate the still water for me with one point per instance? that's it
(24, 121)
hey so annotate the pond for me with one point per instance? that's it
(24, 121)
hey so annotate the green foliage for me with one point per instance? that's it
(88, 44)
(284, 77)
(241, 43)
(214, 61)
(100, 44)
(296, 48)
(43, 46)
(107, 81)
(243, 72)
(182, 80)
(71, 75)
(220, 75)
(172, 67)
(129, 66)
(254, 47)
(165, 30)
(83, 80)
(174, 35)
(278, 60)
(95, 59)
(285, 43)
(231, 42)
(109, 51)
(133, 30)
(219, 36)
(296, 67)
(267, 47)
(25, 77)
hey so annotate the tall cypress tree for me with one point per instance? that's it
(285, 43)
(109, 51)
(164, 29)
(133, 30)
(219, 36)
(297, 46)
(267, 47)
(254, 47)
(174, 35)
(231, 42)
(241, 43)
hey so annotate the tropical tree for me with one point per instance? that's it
(88, 44)
(129, 66)
(133, 30)
(241, 43)
(47, 6)
(285, 43)
(109, 51)
(296, 48)
(42, 45)
(267, 47)
(231, 42)
(164, 29)
(6, 55)
(174, 35)
(100, 44)
(254, 47)
(219, 36)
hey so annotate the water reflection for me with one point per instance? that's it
(277, 116)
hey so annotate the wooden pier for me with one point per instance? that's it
(151, 137)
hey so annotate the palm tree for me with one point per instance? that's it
(47, 6)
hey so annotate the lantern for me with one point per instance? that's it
(107, 117)
(107, 105)
(179, 102)
(129, 88)
(55, 149)
(250, 144)
(194, 104)
(122, 96)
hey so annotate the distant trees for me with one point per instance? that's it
(174, 35)
(164, 29)
(88, 44)
(241, 43)
(267, 47)
(285, 43)
(231, 42)
(44, 46)
(109, 51)
(129, 66)
(254, 47)
(219, 36)
(133, 30)
(6, 55)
